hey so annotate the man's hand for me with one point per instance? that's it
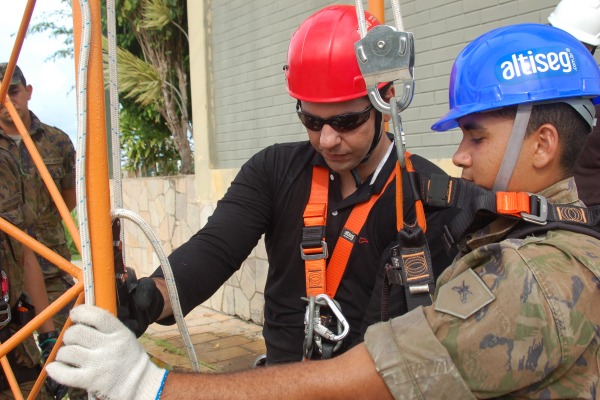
(102, 356)
(145, 304)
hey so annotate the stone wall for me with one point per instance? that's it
(170, 206)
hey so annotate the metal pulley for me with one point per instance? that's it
(387, 54)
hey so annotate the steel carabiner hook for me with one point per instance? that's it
(343, 325)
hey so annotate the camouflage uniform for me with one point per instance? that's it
(511, 318)
(58, 154)
(25, 358)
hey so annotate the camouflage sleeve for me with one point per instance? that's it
(492, 328)
(68, 181)
(412, 361)
(11, 197)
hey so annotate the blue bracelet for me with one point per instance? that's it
(162, 385)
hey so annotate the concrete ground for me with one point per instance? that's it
(223, 343)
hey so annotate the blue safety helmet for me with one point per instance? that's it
(524, 63)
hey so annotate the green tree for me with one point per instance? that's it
(148, 149)
(152, 73)
(153, 64)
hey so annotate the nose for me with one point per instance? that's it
(329, 137)
(462, 158)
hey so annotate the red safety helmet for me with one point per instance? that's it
(321, 64)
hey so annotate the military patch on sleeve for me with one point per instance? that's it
(464, 295)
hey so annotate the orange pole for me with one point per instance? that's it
(376, 8)
(10, 377)
(35, 323)
(40, 249)
(96, 163)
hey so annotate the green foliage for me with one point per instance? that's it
(70, 244)
(59, 24)
(147, 145)
(138, 80)
(152, 72)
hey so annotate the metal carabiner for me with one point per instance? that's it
(399, 137)
(343, 326)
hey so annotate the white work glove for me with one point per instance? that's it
(102, 356)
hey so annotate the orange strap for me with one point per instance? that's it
(315, 215)
(512, 203)
(419, 209)
(319, 278)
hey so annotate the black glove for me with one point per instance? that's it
(46, 342)
(142, 306)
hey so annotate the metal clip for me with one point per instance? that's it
(542, 205)
(317, 256)
(399, 138)
(342, 325)
(313, 324)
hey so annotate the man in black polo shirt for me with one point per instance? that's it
(356, 157)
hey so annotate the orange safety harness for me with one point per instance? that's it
(320, 277)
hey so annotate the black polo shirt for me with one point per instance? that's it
(268, 196)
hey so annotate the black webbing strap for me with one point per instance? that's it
(409, 266)
(524, 229)
(473, 201)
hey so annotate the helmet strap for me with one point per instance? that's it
(376, 136)
(513, 148)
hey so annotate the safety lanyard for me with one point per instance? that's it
(321, 278)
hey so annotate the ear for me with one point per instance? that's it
(391, 92)
(29, 90)
(545, 146)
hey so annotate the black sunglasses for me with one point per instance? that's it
(341, 123)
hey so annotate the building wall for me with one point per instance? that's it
(248, 46)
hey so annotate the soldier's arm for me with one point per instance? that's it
(351, 375)
(69, 198)
(35, 287)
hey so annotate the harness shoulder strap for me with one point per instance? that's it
(474, 201)
(319, 278)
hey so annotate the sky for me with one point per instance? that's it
(53, 99)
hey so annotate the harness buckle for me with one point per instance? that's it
(311, 253)
(538, 206)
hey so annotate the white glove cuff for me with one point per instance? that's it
(152, 383)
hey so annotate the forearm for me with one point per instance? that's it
(70, 198)
(351, 375)
(34, 285)
(161, 285)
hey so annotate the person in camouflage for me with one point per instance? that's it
(512, 317)
(22, 274)
(58, 154)
(57, 151)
